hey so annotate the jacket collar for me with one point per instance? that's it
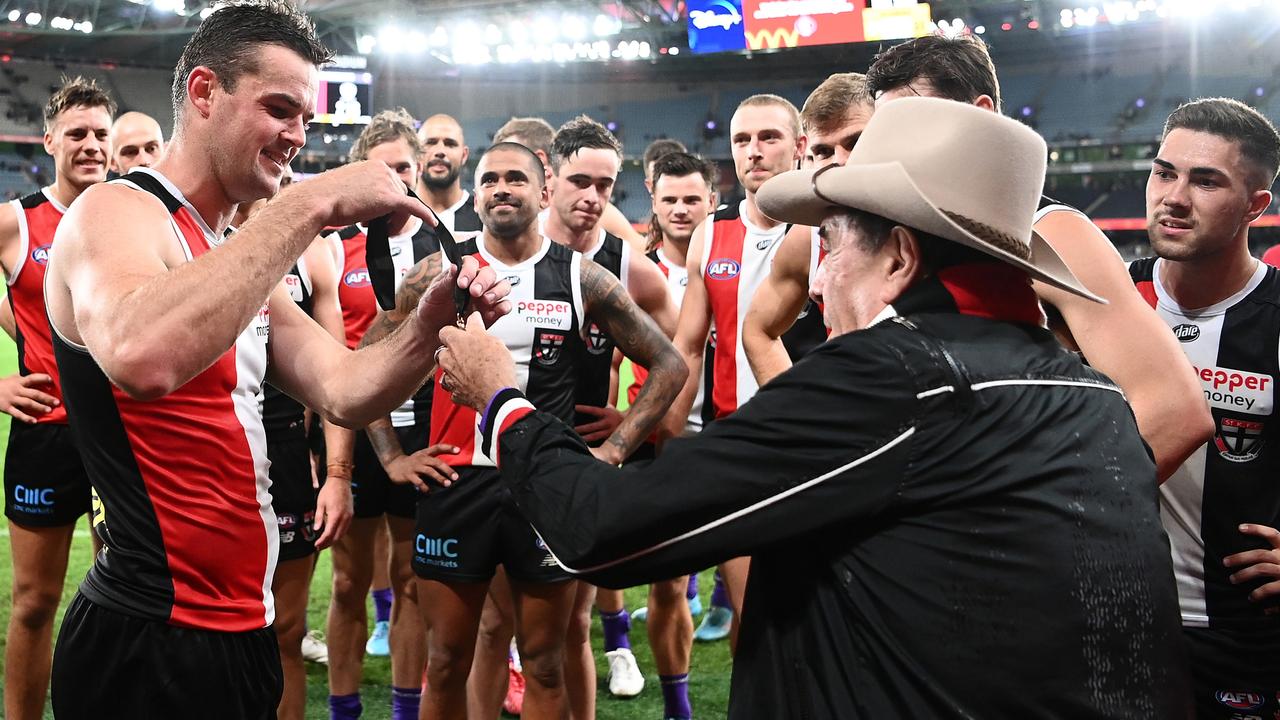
(989, 290)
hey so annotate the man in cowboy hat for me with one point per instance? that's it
(948, 515)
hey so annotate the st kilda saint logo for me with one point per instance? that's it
(548, 347)
(1238, 440)
(597, 341)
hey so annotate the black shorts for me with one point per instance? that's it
(373, 492)
(466, 530)
(110, 665)
(292, 497)
(45, 483)
(1235, 674)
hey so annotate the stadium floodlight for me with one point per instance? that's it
(674, 51)
(573, 27)
(15, 15)
(439, 37)
(605, 25)
(365, 44)
(173, 6)
(545, 29)
(33, 18)
(492, 34)
(467, 33)
(518, 32)
(980, 30)
(61, 23)
(391, 40)
(85, 27)
(415, 43)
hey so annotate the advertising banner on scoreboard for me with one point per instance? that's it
(734, 25)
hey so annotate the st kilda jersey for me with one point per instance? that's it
(543, 332)
(190, 538)
(462, 217)
(1235, 349)
(360, 305)
(610, 253)
(38, 218)
(279, 411)
(677, 281)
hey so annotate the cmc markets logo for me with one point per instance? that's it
(720, 14)
(435, 547)
(41, 254)
(723, 269)
(37, 497)
(1187, 332)
(357, 278)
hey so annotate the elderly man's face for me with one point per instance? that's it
(851, 283)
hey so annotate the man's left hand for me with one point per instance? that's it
(1259, 565)
(476, 364)
(488, 295)
(334, 510)
(607, 419)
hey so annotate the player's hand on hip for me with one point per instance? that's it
(20, 397)
(476, 364)
(422, 466)
(1262, 565)
(488, 295)
(607, 419)
(364, 191)
(334, 510)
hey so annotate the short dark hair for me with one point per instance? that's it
(660, 147)
(535, 162)
(959, 68)
(680, 164)
(935, 253)
(536, 133)
(829, 103)
(227, 42)
(76, 92)
(581, 133)
(387, 126)
(1231, 119)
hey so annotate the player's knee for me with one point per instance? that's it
(543, 666)
(496, 630)
(668, 593)
(347, 588)
(579, 628)
(448, 665)
(34, 606)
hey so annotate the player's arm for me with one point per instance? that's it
(639, 338)
(613, 221)
(152, 328)
(20, 395)
(10, 239)
(649, 289)
(354, 388)
(7, 321)
(776, 305)
(1127, 341)
(691, 337)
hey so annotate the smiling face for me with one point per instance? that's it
(509, 192)
(1200, 196)
(680, 203)
(581, 188)
(79, 140)
(256, 131)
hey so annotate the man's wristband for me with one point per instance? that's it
(506, 407)
(339, 469)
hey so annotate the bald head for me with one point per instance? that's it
(444, 151)
(136, 141)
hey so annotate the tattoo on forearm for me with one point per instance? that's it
(383, 438)
(640, 339)
(407, 296)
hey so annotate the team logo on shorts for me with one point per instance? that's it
(1240, 700)
(41, 254)
(548, 347)
(1238, 440)
(597, 341)
(723, 269)
(356, 278)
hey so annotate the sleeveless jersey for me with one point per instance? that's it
(190, 538)
(360, 305)
(1235, 349)
(279, 411)
(461, 217)
(677, 280)
(38, 218)
(594, 373)
(543, 333)
(736, 258)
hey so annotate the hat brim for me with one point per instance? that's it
(885, 189)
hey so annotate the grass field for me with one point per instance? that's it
(708, 683)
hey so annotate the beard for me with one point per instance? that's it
(437, 182)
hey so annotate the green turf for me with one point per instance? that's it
(708, 684)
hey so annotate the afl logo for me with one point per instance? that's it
(1186, 332)
(357, 278)
(1240, 700)
(723, 269)
(41, 254)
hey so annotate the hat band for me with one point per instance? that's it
(998, 238)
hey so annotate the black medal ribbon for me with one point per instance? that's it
(382, 271)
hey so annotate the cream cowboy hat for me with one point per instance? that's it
(945, 168)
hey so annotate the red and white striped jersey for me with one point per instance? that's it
(544, 334)
(190, 538)
(736, 258)
(38, 218)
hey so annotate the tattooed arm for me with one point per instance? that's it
(639, 338)
(407, 296)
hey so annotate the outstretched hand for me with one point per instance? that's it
(476, 364)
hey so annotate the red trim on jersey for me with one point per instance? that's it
(454, 424)
(1147, 289)
(993, 290)
(355, 291)
(198, 470)
(722, 294)
(26, 297)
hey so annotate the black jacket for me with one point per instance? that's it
(948, 517)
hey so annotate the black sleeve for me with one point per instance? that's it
(825, 443)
